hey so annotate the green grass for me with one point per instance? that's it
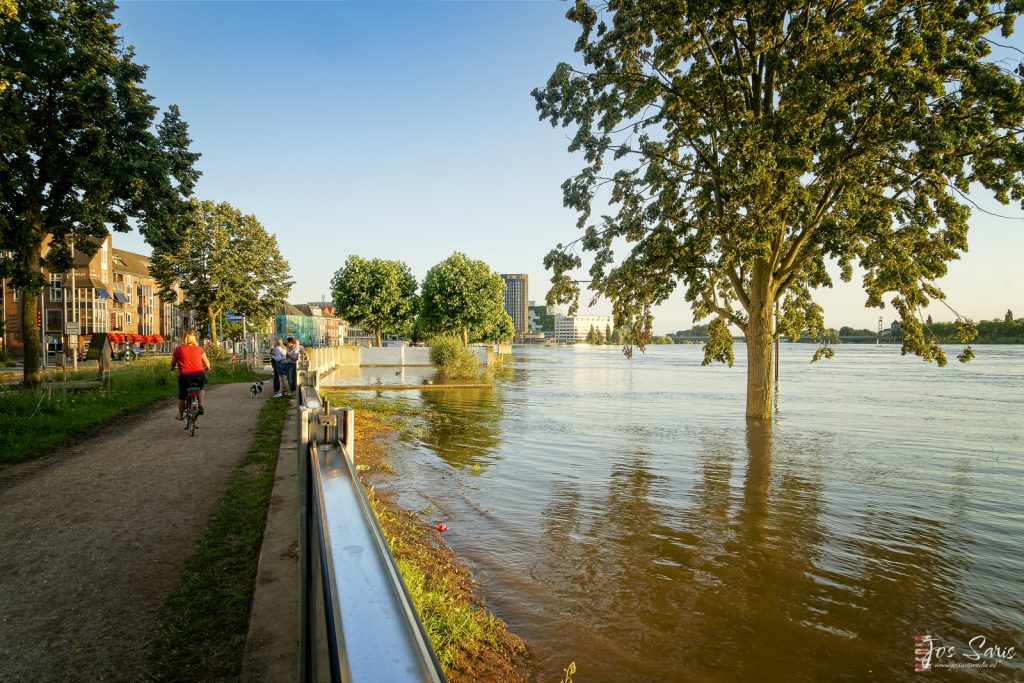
(452, 624)
(204, 624)
(34, 421)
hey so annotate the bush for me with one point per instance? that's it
(452, 359)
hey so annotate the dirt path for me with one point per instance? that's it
(93, 540)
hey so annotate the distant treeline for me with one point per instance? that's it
(1005, 331)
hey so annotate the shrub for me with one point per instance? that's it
(452, 359)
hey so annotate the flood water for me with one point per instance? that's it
(623, 515)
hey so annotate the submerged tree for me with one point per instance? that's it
(78, 153)
(375, 294)
(744, 146)
(228, 262)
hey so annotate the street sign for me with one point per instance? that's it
(72, 329)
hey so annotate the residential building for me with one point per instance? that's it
(89, 305)
(516, 300)
(113, 293)
(573, 329)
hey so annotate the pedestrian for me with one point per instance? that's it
(278, 354)
(291, 362)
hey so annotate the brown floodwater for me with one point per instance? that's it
(624, 516)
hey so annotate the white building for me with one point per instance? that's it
(572, 329)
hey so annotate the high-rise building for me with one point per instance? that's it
(516, 301)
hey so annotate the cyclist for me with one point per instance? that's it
(191, 362)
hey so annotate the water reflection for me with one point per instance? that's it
(464, 427)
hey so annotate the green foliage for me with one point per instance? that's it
(78, 156)
(376, 295)
(228, 262)
(1008, 318)
(743, 150)
(452, 359)
(462, 296)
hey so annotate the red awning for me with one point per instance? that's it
(115, 337)
(135, 338)
(157, 338)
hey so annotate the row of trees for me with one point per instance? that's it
(459, 297)
(81, 154)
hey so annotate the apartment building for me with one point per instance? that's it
(573, 329)
(109, 291)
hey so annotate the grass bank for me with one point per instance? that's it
(471, 643)
(34, 421)
(204, 624)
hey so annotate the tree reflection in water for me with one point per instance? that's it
(464, 427)
(754, 580)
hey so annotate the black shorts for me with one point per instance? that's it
(185, 380)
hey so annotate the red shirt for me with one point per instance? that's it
(189, 359)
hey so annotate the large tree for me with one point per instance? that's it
(463, 297)
(743, 146)
(78, 153)
(375, 294)
(228, 262)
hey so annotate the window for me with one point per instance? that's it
(54, 321)
(128, 287)
(56, 287)
(128, 318)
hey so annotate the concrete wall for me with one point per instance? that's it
(390, 355)
(355, 356)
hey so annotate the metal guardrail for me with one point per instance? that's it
(358, 623)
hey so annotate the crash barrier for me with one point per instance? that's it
(357, 622)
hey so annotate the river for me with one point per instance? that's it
(622, 514)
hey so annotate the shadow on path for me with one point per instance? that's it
(93, 540)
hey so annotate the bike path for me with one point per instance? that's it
(93, 538)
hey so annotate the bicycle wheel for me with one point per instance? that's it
(194, 409)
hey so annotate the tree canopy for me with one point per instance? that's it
(463, 297)
(78, 153)
(743, 147)
(228, 261)
(376, 294)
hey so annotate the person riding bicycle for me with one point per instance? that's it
(191, 361)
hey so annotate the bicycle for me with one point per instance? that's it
(192, 407)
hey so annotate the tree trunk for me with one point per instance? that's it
(758, 334)
(29, 332)
(212, 315)
(376, 333)
(465, 336)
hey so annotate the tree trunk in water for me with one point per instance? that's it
(376, 333)
(758, 334)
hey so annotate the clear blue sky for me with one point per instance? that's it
(406, 130)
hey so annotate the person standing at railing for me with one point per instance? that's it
(191, 361)
(291, 362)
(277, 357)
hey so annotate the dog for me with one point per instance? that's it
(256, 390)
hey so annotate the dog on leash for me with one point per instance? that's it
(256, 390)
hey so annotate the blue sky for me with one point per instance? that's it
(406, 130)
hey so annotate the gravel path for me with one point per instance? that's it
(93, 539)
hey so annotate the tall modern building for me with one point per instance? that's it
(517, 301)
